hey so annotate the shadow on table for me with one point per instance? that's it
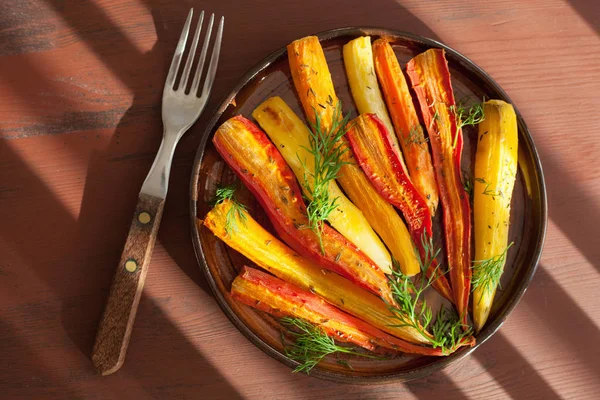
(79, 257)
(24, 373)
(80, 262)
(575, 212)
(161, 358)
(589, 11)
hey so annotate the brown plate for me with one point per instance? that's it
(272, 77)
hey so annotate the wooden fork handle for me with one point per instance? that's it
(116, 324)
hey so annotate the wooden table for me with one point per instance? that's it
(80, 90)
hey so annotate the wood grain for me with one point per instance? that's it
(80, 89)
(119, 314)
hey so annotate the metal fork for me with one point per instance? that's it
(180, 109)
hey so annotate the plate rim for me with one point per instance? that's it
(330, 375)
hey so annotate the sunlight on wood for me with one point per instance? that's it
(583, 291)
(141, 35)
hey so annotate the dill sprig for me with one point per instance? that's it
(473, 116)
(415, 136)
(468, 184)
(412, 311)
(487, 273)
(449, 330)
(312, 345)
(434, 119)
(487, 191)
(237, 209)
(327, 153)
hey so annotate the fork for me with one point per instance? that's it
(180, 110)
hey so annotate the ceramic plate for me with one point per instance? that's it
(272, 77)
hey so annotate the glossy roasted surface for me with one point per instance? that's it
(80, 89)
(222, 264)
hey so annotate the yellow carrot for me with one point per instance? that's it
(272, 295)
(314, 86)
(292, 138)
(251, 240)
(358, 59)
(495, 172)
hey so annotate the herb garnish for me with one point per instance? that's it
(237, 209)
(468, 184)
(327, 153)
(435, 117)
(312, 344)
(487, 273)
(473, 116)
(413, 312)
(415, 136)
(487, 191)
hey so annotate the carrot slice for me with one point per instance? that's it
(274, 296)
(373, 147)
(261, 167)
(430, 78)
(292, 138)
(314, 86)
(496, 165)
(406, 122)
(250, 239)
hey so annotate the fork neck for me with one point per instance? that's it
(157, 181)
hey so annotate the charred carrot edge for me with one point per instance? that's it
(292, 138)
(430, 78)
(406, 122)
(261, 167)
(360, 71)
(373, 147)
(250, 239)
(274, 296)
(314, 86)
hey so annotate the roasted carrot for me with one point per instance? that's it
(495, 172)
(373, 148)
(430, 78)
(265, 250)
(274, 296)
(314, 86)
(358, 60)
(260, 166)
(293, 140)
(406, 122)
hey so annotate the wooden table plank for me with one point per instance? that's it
(80, 88)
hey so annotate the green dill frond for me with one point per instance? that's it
(468, 184)
(327, 152)
(416, 137)
(487, 273)
(412, 310)
(448, 330)
(473, 116)
(237, 210)
(487, 191)
(312, 344)
(435, 117)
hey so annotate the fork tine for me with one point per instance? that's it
(200, 67)
(214, 60)
(191, 55)
(179, 52)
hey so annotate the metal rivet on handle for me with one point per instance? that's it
(131, 265)
(144, 217)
